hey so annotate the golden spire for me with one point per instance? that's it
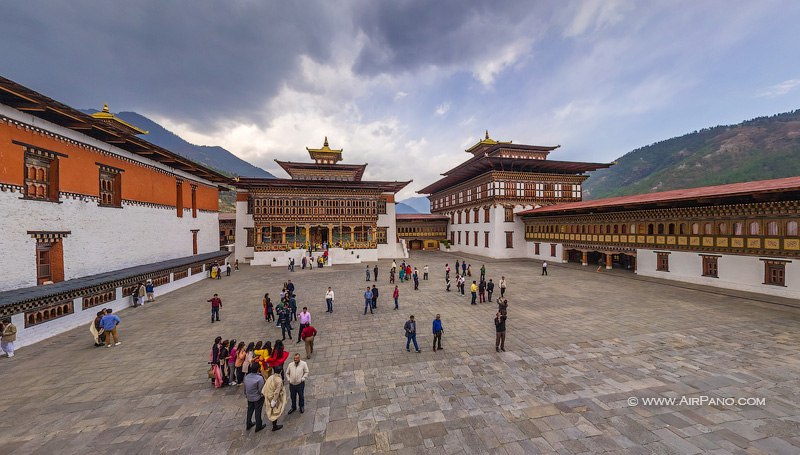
(325, 144)
(487, 134)
(105, 108)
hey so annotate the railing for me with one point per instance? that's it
(300, 245)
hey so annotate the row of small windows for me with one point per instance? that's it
(770, 228)
(510, 189)
(416, 229)
(774, 271)
(315, 207)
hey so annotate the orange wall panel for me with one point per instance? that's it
(79, 173)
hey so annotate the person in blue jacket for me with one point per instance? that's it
(437, 333)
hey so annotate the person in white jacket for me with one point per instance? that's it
(329, 300)
(296, 374)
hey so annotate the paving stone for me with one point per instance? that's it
(579, 345)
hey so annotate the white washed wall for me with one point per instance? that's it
(102, 239)
(743, 273)
(497, 228)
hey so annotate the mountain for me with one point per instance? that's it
(403, 208)
(758, 149)
(212, 156)
(419, 204)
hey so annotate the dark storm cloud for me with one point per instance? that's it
(194, 61)
(406, 35)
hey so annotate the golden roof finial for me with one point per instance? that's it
(105, 108)
(325, 144)
(487, 134)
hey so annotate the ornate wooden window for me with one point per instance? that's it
(466, 216)
(41, 175)
(250, 236)
(755, 228)
(549, 190)
(459, 237)
(791, 228)
(486, 211)
(509, 239)
(475, 239)
(194, 201)
(110, 186)
(466, 238)
(179, 198)
(650, 229)
(553, 250)
(475, 215)
(452, 218)
(661, 228)
(708, 229)
(772, 228)
(662, 262)
(775, 273)
(49, 256)
(710, 266)
(486, 239)
(452, 237)
(459, 217)
(738, 228)
(695, 228)
(722, 228)
(382, 235)
(382, 207)
(509, 213)
(536, 248)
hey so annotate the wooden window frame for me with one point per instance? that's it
(35, 158)
(110, 186)
(775, 272)
(486, 239)
(662, 261)
(509, 239)
(552, 250)
(179, 197)
(509, 214)
(710, 265)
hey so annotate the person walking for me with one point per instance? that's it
(489, 290)
(375, 272)
(285, 319)
(411, 333)
(290, 288)
(544, 268)
(253, 384)
(447, 272)
(305, 321)
(150, 290)
(275, 395)
(329, 299)
(437, 332)
(396, 297)
(502, 286)
(94, 328)
(402, 274)
(391, 275)
(408, 271)
(500, 329)
(462, 283)
(366, 272)
(502, 306)
(303, 262)
(483, 272)
(374, 297)
(9, 335)
(216, 304)
(425, 273)
(368, 299)
(463, 268)
(135, 295)
(469, 270)
(474, 290)
(482, 291)
(447, 283)
(109, 323)
(296, 374)
(307, 335)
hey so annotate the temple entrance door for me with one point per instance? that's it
(323, 234)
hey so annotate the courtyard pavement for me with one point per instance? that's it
(581, 348)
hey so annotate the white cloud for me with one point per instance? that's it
(595, 15)
(443, 108)
(780, 89)
(400, 95)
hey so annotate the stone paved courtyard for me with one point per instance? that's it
(580, 344)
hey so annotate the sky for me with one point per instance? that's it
(408, 85)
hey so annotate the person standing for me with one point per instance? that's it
(305, 321)
(292, 307)
(489, 290)
(500, 329)
(416, 279)
(447, 272)
(285, 319)
(411, 333)
(408, 271)
(483, 272)
(216, 304)
(447, 283)
(368, 299)
(303, 262)
(375, 272)
(482, 291)
(366, 272)
(227, 269)
(296, 374)
(253, 384)
(544, 268)
(402, 274)
(374, 297)
(9, 336)
(329, 299)
(236, 265)
(425, 273)
(150, 290)
(463, 268)
(290, 288)
(142, 293)
(275, 395)
(469, 270)
(391, 275)
(308, 334)
(291, 264)
(109, 323)
(474, 290)
(396, 297)
(437, 332)
(394, 265)
(502, 286)
(462, 283)
(457, 267)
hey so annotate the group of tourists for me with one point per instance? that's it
(218, 269)
(410, 329)
(141, 291)
(260, 367)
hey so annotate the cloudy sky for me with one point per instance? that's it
(406, 86)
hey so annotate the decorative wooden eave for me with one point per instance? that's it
(107, 117)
